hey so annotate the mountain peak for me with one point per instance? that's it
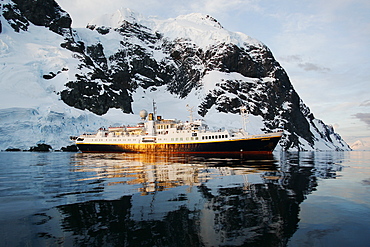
(200, 20)
(117, 18)
(202, 30)
(360, 145)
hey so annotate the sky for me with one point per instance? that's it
(324, 46)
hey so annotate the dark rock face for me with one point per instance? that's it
(15, 17)
(44, 13)
(41, 148)
(147, 59)
(71, 148)
(13, 150)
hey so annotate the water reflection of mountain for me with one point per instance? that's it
(192, 201)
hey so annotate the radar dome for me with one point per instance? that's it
(143, 114)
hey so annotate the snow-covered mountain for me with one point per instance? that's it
(360, 145)
(57, 81)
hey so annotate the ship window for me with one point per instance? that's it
(177, 139)
(187, 138)
(181, 139)
(219, 137)
(196, 138)
(194, 134)
(171, 139)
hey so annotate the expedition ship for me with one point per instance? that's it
(155, 134)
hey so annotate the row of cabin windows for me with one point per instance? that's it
(186, 138)
(173, 139)
(114, 140)
(167, 126)
(214, 137)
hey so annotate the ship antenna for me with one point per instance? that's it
(244, 113)
(190, 110)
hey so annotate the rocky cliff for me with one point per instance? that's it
(118, 56)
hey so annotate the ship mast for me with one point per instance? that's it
(244, 114)
(190, 110)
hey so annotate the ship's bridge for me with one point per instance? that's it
(166, 124)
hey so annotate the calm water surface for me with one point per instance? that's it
(286, 199)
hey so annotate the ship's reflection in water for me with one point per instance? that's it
(187, 200)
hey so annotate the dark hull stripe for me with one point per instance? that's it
(248, 145)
